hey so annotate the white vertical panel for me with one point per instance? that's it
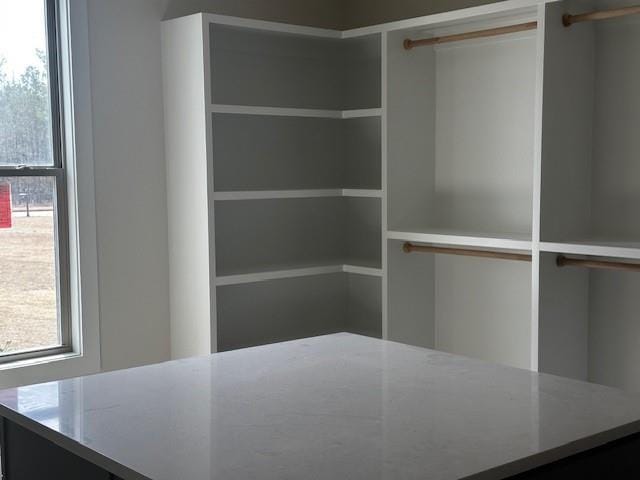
(186, 142)
(384, 41)
(208, 119)
(537, 187)
(565, 185)
(410, 130)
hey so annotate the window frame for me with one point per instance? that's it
(58, 172)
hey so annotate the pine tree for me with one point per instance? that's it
(25, 128)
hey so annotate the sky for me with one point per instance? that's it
(22, 31)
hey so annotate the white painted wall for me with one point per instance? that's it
(130, 179)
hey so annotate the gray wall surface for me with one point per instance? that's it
(341, 14)
(317, 13)
(358, 13)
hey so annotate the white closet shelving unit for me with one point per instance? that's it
(590, 318)
(312, 173)
(288, 182)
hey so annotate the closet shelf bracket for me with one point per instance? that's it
(568, 19)
(519, 257)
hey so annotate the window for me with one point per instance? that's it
(34, 248)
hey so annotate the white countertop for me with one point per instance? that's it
(334, 407)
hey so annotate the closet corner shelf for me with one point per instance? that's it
(594, 248)
(281, 194)
(462, 239)
(296, 112)
(255, 277)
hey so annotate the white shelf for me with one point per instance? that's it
(594, 248)
(367, 112)
(295, 112)
(352, 192)
(359, 270)
(463, 239)
(295, 273)
(279, 194)
(276, 275)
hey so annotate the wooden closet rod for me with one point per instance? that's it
(568, 20)
(520, 257)
(563, 261)
(521, 27)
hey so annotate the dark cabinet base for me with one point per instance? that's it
(619, 460)
(27, 456)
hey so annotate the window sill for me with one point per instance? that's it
(39, 360)
(48, 368)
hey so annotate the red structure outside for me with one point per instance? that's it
(5, 205)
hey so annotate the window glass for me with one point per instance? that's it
(25, 105)
(28, 265)
(34, 269)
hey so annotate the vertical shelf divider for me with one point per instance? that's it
(384, 52)
(537, 191)
(209, 100)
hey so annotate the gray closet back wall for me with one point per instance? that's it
(338, 14)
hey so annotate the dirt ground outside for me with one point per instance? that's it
(28, 308)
